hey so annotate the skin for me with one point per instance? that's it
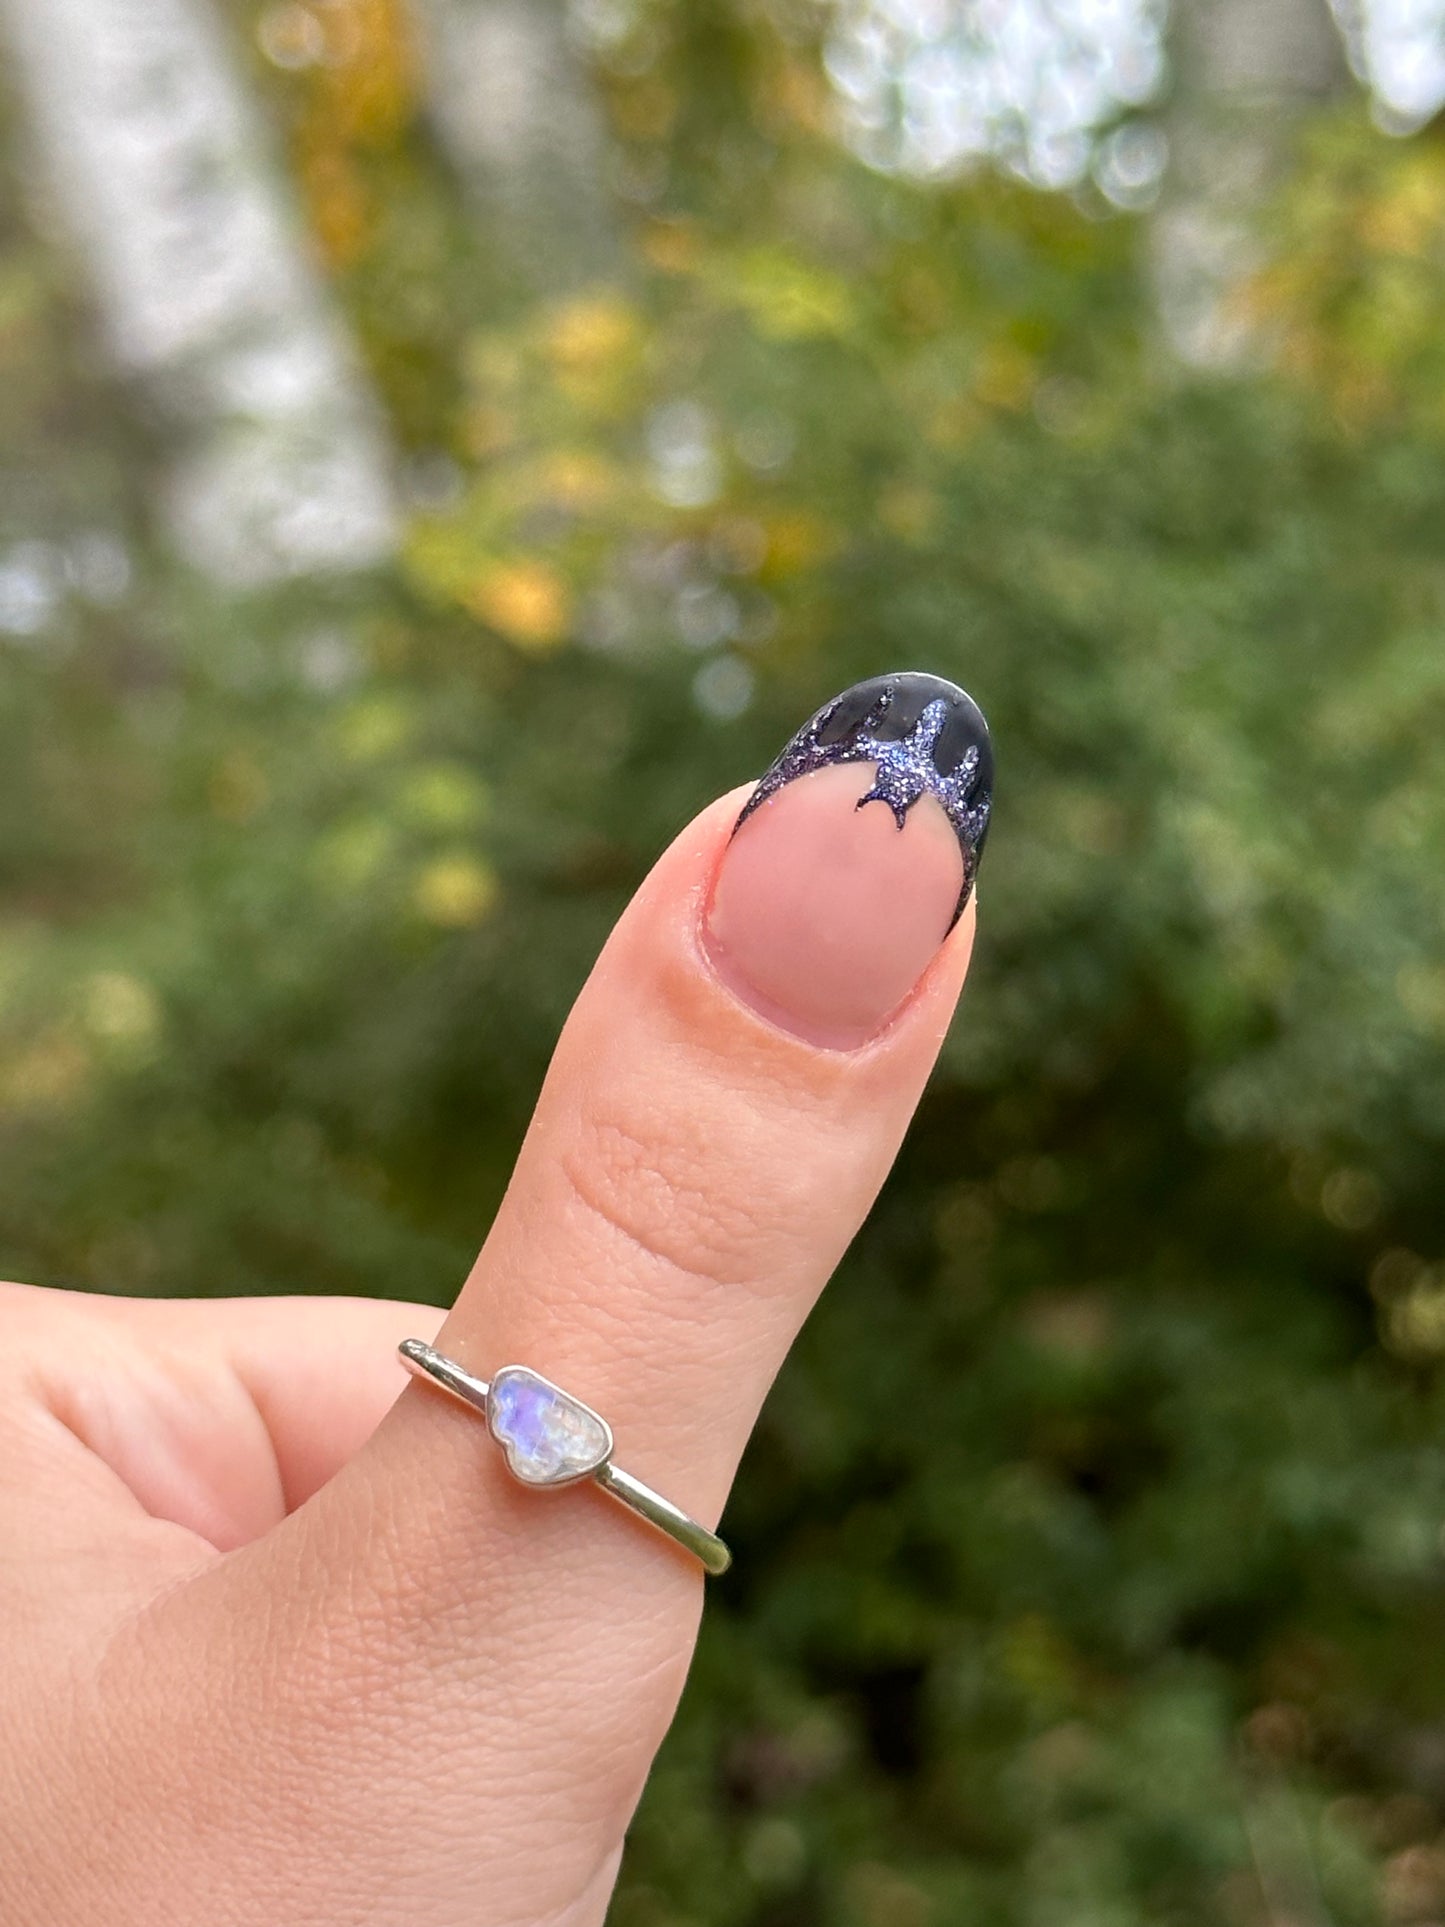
(284, 1642)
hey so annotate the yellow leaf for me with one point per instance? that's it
(800, 94)
(1407, 217)
(788, 299)
(526, 601)
(1005, 377)
(796, 542)
(591, 333)
(121, 1009)
(671, 246)
(578, 478)
(455, 891)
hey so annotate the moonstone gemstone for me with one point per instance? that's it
(548, 1436)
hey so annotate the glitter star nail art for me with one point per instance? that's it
(924, 736)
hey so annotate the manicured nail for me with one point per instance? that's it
(854, 858)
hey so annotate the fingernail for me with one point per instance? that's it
(854, 857)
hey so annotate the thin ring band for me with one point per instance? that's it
(549, 1438)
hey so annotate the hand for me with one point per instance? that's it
(286, 1649)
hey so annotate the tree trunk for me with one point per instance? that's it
(514, 110)
(1245, 71)
(161, 173)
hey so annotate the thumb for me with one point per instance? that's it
(439, 1689)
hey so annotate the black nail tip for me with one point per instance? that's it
(927, 737)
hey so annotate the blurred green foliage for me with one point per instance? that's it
(1091, 1567)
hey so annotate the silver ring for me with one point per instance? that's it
(550, 1438)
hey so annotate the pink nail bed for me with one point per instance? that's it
(854, 858)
